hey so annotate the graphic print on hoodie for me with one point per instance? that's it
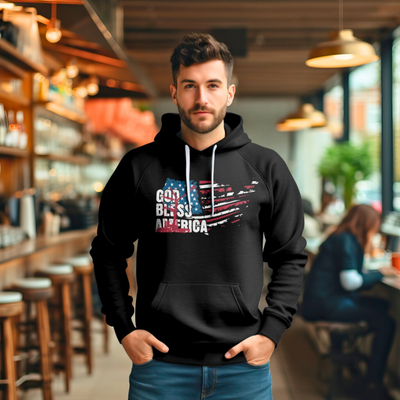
(173, 213)
(200, 218)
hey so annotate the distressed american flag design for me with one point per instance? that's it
(228, 205)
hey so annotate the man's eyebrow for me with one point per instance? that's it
(210, 80)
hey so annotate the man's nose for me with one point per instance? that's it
(201, 96)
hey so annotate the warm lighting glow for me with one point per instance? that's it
(110, 83)
(39, 77)
(80, 91)
(6, 5)
(72, 69)
(343, 56)
(93, 88)
(53, 33)
(98, 187)
(93, 85)
(340, 51)
(305, 117)
(53, 172)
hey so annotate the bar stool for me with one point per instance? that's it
(10, 306)
(340, 334)
(36, 291)
(83, 268)
(61, 276)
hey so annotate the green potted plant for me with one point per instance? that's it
(345, 164)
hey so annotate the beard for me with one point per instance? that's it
(200, 126)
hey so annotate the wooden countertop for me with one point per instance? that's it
(30, 246)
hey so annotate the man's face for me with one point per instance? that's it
(202, 95)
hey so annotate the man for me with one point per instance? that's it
(199, 199)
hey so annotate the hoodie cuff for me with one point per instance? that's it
(273, 328)
(123, 328)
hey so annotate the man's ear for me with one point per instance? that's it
(172, 90)
(231, 94)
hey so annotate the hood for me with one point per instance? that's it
(235, 137)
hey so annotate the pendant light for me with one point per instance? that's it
(305, 117)
(72, 68)
(53, 33)
(5, 5)
(341, 50)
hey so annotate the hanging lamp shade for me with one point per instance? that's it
(306, 116)
(281, 126)
(341, 50)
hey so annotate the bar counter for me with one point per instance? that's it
(22, 259)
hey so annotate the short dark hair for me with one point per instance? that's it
(198, 48)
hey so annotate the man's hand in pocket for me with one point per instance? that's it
(139, 345)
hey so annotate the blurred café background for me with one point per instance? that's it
(84, 81)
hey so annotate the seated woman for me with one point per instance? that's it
(332, 289)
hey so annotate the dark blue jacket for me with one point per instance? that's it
(337, 253)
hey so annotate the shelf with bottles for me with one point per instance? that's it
(56, 95)
(63, 111)
(55, 137)
(13, 133)
(16, 58)
(78, 160)
(63, 179)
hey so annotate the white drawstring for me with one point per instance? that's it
(212, 178)
(187, 154)
(187, 157)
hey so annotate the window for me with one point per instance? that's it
(333, 109)
(396, 122)
(365, 125)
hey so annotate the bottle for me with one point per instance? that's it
(23, 136)
(3, 126)
(10, 129)
(14, 128)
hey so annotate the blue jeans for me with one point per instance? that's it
(159, 380)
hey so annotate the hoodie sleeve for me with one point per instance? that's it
(117, 230)
(284, 252)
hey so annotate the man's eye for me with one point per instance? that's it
(188, 85)
(213, 84)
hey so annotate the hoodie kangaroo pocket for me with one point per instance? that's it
(200, 312)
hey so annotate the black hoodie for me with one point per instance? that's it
(200, 265)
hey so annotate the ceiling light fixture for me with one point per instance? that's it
(53, 33)
(72, 68)
(93, 85)
(341, 50)
(306, 116)
(5, 5)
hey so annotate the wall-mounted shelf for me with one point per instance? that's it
(14, 100)
(79, 160)
(10, 53)
(63, 111)
(13, 152)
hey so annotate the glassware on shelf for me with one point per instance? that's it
(3, 125)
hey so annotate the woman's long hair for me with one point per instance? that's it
(361, 220)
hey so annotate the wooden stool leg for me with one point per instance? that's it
(9, 364)
(87, 291)
(105, 330)
(44, 340)
(66, 306)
